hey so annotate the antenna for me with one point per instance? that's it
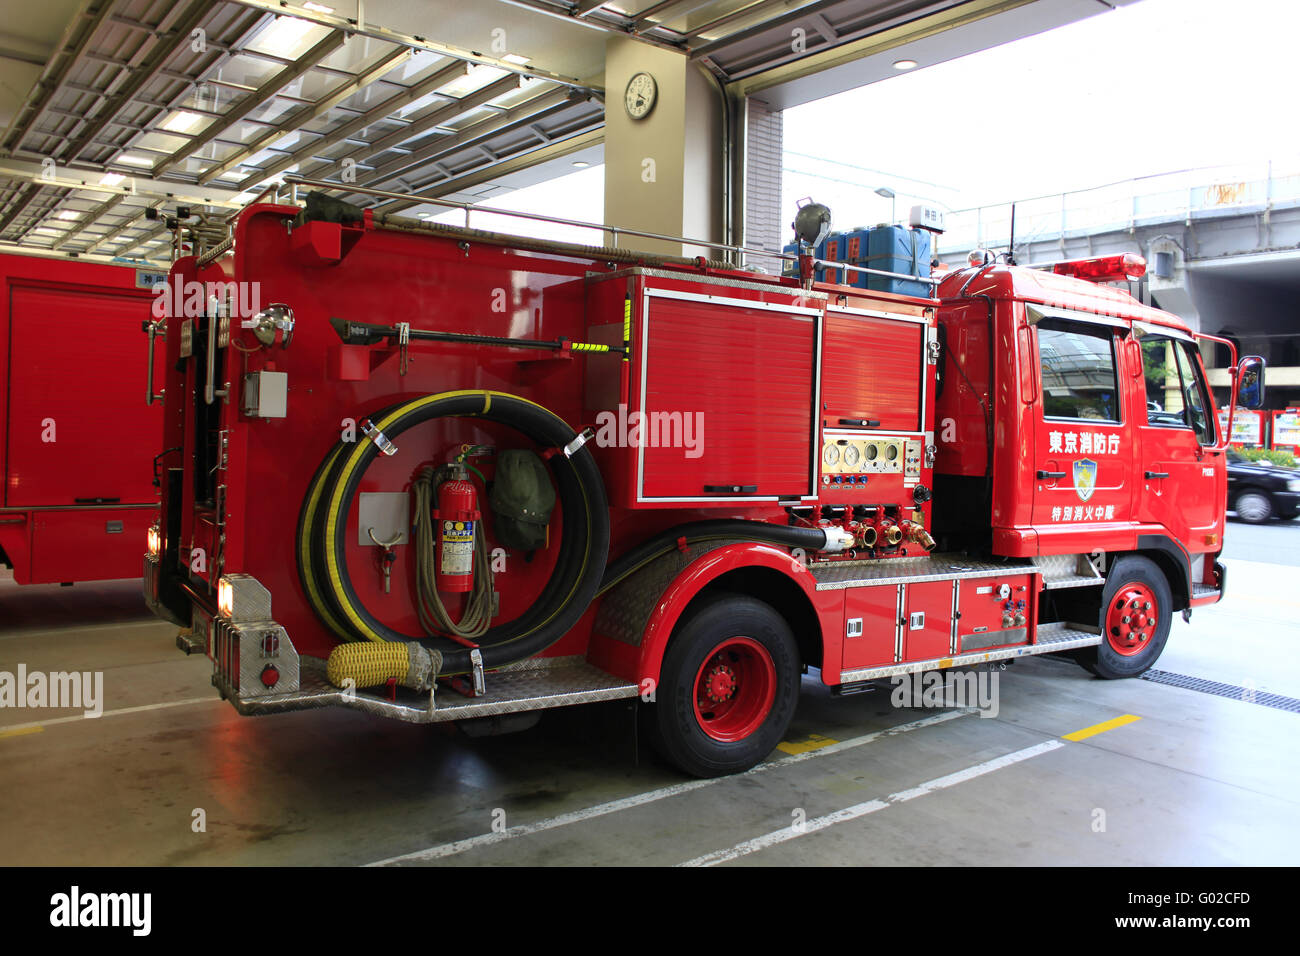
(1011, 243)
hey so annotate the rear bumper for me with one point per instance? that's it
(1287, 503)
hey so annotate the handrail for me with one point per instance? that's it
(614, 231)
(468, 208)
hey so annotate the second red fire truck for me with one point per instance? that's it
(442, 474)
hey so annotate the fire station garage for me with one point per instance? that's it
(512, 433)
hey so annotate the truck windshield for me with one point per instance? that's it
(1176, 395)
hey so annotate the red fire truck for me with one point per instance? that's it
(442, 474)
(76, 439)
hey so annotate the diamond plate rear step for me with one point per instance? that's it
(534, 684)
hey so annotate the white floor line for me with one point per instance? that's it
(786, 834)
(641, 799)
(109, 713)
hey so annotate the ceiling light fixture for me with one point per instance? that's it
(904, 64)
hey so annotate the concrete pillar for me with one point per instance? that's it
(664, 173)
(1173, 292)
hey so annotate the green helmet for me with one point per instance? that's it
(521, 499)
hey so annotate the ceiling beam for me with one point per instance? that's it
(247, 28)
(265, 93)
(182, 194)
(21, 202)
(746, 11)
(140, 77)
(392, 61)
(378, 112)
(426, 123)
(578, 140)
(534, 110)
(350, 25)
(88, 218)
(27, 117)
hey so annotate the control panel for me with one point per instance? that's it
(852, 458)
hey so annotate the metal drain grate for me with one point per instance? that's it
(1235, 691)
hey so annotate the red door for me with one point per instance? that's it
(1182, 479)
(1082, 456)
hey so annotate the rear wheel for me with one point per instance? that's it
(1253, 507)
(727, 689)
(1135, 615)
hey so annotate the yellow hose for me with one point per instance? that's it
(370, 664)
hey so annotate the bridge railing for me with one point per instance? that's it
(1174, 196)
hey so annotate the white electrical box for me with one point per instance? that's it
(266, 394)
(926, 217)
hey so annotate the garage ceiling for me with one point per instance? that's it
(137, 105)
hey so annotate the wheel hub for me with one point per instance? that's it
(735, 689)
(720, 682)
(1131, 618)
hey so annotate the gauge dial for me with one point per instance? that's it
(851, 456)
(831, 454)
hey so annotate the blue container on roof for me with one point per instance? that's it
(902, 250)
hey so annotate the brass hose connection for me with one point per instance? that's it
(914, 532)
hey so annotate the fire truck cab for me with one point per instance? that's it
(1076, 429)
(441, 474)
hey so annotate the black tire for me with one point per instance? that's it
(678, 731)
(1253, 507)
(1129, 576)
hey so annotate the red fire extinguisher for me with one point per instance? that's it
(456, 518)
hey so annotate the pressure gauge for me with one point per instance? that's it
(831, 455)
(851, 456)
(640, 96)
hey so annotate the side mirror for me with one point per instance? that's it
(1250, 382)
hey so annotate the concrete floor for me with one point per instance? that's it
(1197, 780)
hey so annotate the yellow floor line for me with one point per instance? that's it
(21, 731)
(812, 742)
(1101, 728)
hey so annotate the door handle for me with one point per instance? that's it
(731, 489)
(861, 422)
(1156, 474)
(1050, 474)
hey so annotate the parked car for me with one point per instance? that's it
(1258, 491)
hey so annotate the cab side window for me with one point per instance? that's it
(1176, 396)
(1078, 368)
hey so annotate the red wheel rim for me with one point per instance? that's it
(1131, 619)
(735, 688)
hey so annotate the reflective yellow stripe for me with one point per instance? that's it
(627, 328)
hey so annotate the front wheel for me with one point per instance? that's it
(1135, 614)
(727, 689)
